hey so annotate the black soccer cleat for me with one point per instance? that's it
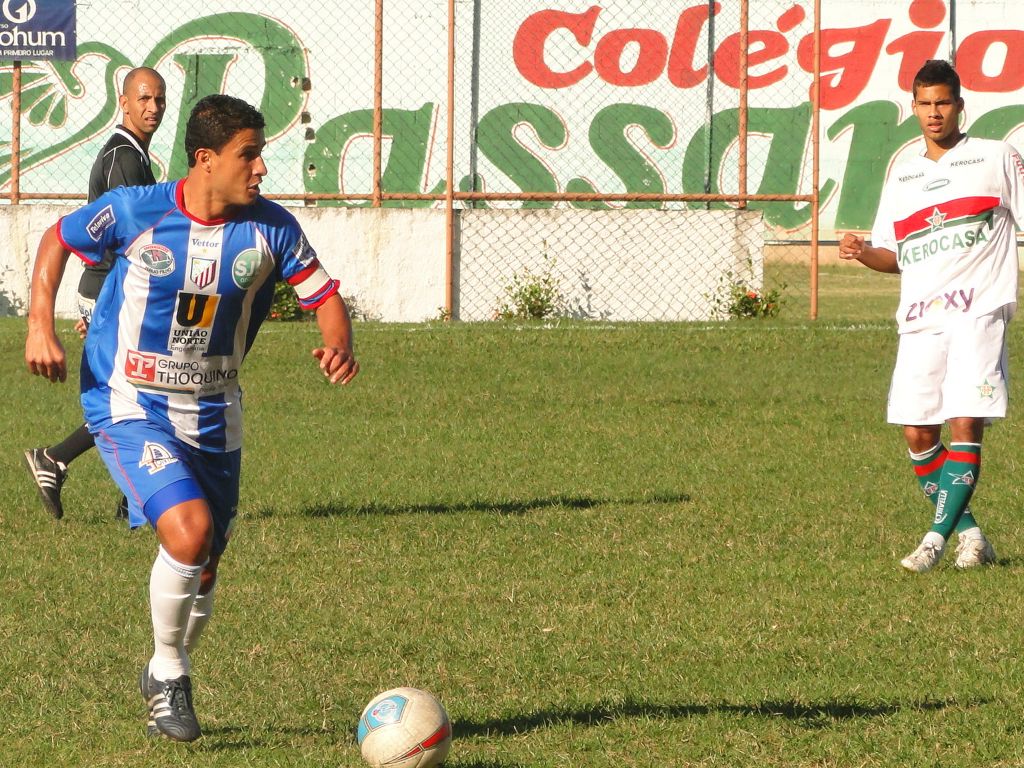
(121, 513)
(170, 707)
(49, 476)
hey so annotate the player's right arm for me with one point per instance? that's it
(44, 354)
(852, 247)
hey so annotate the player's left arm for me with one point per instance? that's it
(44, 354)
(336, 356)
(1013, 185)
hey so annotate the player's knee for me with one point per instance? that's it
(186, 531)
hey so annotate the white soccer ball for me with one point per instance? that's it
(404, 728)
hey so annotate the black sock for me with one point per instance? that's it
(72, 446)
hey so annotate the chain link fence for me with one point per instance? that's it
(603, 147)
(622, 108)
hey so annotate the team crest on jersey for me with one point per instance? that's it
(202, 272)
(193, 319)
(246, 267)
(155, 457)
(937, 220)
(100, 223)
(156, 259)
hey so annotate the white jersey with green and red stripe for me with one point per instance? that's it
(952, 224)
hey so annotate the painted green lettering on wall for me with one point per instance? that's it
(498, 143)
(877, 137)
(284, 65)
(408, 135)
(789, 129)
(53, 95)
(610, 143)
(999, 123)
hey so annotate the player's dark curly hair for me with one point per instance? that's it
(938, 72)
(215, 119)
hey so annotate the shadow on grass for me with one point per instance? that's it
(505, 507)
(812, 715)
(232, 738)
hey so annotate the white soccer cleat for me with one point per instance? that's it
(922, 559)
(973, 550)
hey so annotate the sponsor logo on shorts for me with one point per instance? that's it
(100, 223)
(156, 259)
(155, 457)
(246, 267)
(202, 272)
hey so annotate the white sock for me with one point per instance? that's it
(935, 539)
(172, 591)
(202, 610)
(925, 454)
(972, 533)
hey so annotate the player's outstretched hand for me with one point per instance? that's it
(851, 246)
(338, 365)
(44, 356)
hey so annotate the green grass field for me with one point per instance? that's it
(600, 545)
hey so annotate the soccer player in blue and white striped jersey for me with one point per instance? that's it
(197, 261)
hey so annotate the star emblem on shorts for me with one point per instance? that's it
(967, 478)
(937, 220)
(986, 390)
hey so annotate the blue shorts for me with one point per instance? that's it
(156, 471)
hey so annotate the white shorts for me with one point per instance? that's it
(960, 371)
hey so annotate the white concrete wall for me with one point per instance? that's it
(391, 260)
(612, 265)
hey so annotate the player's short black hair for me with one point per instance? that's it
(215, 119)
(937, 72)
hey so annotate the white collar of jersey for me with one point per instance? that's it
(131, 137)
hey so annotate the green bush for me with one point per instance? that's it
(285, 306)
(533, 295)
(737, 298)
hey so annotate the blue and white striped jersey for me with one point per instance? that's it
(181, 306)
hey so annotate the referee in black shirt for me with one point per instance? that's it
(123, 162)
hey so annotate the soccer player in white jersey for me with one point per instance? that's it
(193, 279)
(947, 224)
